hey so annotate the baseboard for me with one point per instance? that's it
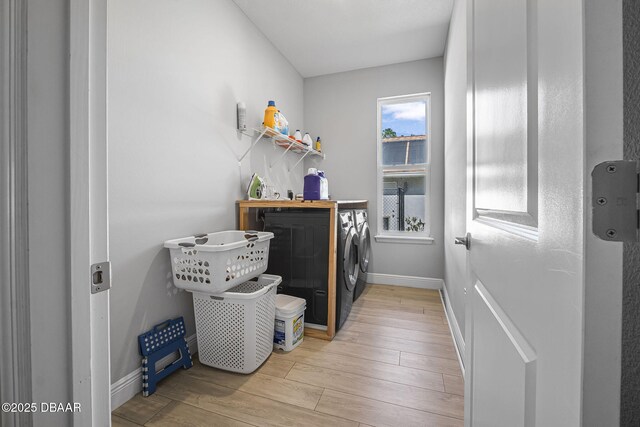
(131, 384)
(408, 281)
(458, 340)
(125, 388)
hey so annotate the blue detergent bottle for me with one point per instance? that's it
(312, 185)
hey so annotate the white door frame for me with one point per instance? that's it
(91, 382)
(15, 351)
(89, 316)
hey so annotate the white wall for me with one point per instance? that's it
(455, 161)
(341, 108)
(175, 72)
(48, 163)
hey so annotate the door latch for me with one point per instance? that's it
(466, 241)
(616, 188)
(100, 277)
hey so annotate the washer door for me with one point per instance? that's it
(350, 263)
(364, 247)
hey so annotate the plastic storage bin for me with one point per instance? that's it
(215, 262)
(235, 328)
(289, 325)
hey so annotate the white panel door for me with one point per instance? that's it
(526, 215)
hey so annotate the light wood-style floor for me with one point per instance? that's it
(392, 364)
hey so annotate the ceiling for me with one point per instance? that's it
(329, 36)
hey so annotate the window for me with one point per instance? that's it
(403, 168)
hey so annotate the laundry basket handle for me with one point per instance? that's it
(251, 235)
(201, 238)
(268, 287)
(241, 296)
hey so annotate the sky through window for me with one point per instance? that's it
(407, 118)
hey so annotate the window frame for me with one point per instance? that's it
(421, 169)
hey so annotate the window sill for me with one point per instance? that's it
(413, 240)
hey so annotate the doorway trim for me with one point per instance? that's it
(15, 358)
(630, 359)
(88, 210)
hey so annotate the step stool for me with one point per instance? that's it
(162, 340)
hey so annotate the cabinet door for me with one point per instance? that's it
(299, 253)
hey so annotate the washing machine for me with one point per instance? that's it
(348, 268)
(364, 249)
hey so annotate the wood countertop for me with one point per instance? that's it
(307, 204)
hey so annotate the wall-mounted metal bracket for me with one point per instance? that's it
(100, 277)
(616, 209)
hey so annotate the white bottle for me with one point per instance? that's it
(306, 140)
(324, 186)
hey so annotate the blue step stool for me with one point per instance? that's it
(164, 339)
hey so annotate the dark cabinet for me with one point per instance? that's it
(299, 252)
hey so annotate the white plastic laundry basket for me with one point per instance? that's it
(235, 328)
(215, 262)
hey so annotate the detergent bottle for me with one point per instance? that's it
(312, 185)
(283, 124)
(306, 140)
(324, 186)
(271, 115)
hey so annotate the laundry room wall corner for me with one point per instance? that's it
(455, 163)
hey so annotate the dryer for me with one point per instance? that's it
(348, 265)
(364, 249)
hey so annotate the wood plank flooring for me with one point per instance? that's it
(393, 363)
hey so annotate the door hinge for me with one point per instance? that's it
(100, 277)
(616, 187)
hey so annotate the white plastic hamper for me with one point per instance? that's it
(216, 262)
(235, 328)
